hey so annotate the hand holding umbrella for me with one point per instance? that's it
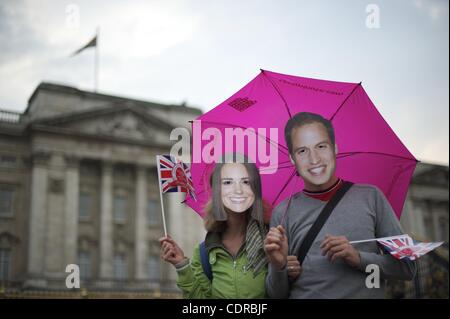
(276, 247)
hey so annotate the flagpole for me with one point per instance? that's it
(374, 239)
(160, 196)
(96, 60)
(362, 241)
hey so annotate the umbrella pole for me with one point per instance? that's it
(288, 204)
(285, 211)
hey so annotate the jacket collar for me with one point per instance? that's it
(213, 240)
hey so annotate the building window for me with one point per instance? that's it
(89, 169)
(6, 201)
(8, 160)
(120, 267)
(153, 213)
(120, 209)
(5, 264)
(154, 268)
(84, 261)
(85, 206)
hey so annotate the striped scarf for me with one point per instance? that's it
(255, 247)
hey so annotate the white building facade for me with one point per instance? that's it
(79, 185)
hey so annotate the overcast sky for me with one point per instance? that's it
(201, 52)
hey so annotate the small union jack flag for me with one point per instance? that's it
(404, 246)
(175, 176)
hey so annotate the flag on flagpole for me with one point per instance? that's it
(92, 43)
(403, 246)
(175, 176)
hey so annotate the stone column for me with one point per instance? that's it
(140, 246)
(434, 212)
(412, 219)
(106, 222)
(54, 247)
(71, 212)
(37, 220)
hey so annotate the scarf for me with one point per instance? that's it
(255, 247)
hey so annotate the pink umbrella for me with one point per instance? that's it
(369, 150)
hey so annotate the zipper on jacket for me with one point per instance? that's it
(234, 259)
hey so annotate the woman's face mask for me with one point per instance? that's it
(237, 194)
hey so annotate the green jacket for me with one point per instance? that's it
(230, 278)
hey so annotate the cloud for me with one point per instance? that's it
(135, 30)
(436, 151)
(435, 9)
(142, 30)
(38, 36)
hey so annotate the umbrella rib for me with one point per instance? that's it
(279, 93)
(342, 104)
(283, 148)
(346, 154)
(284, 186)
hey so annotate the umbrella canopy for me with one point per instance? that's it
(369, 151)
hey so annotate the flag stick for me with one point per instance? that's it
(363, 241)
(160, 196)
(373, 239)
(96, 60)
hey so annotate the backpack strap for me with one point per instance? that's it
(320, 221)
(205, 261)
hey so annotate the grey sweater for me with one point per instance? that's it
(363, 213)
